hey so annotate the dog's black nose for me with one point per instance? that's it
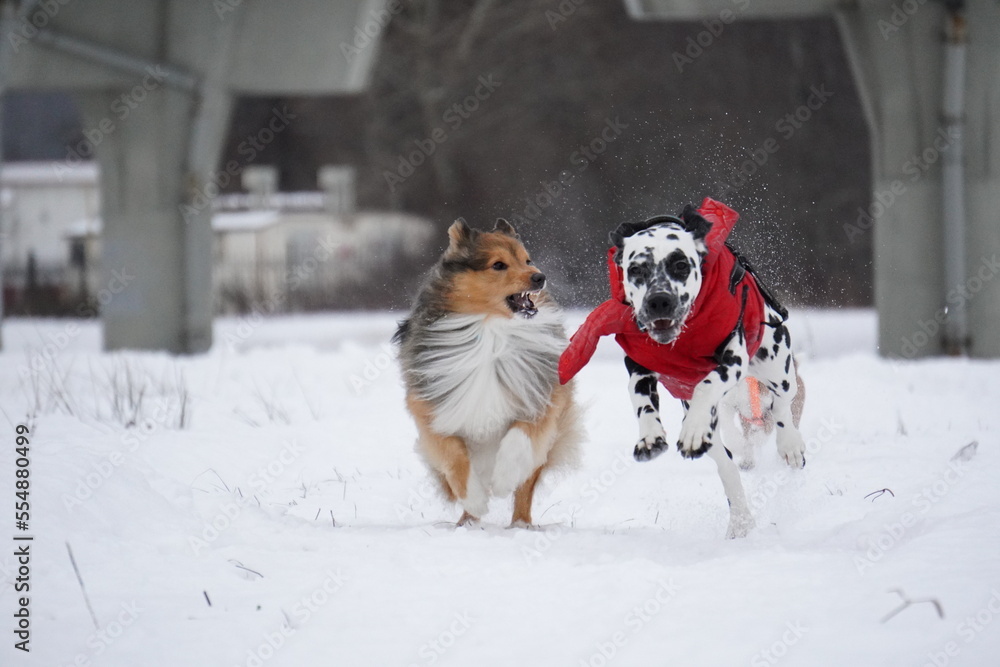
(661, 305)
(537, 280)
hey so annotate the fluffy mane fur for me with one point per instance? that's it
(481, 373)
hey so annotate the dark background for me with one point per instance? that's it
(561, 78)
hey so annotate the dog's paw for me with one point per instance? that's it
(514, 463)
(476, 502)
(649, 448)
(694, 452)
(467, 521)
(791, 448)
(696, 436)
(739, 526)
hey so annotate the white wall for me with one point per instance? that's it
(42, 202)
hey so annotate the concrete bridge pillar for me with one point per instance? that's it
(897, 54)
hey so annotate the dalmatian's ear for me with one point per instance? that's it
(695, 223)
(625, 230)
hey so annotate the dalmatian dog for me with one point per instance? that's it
(692, 316)
(662, 276)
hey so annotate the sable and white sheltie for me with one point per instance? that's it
(479, 355)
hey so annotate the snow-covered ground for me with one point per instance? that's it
(290, 523)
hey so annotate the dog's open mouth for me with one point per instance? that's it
(662, 326)
(663, 330)
(521, 304)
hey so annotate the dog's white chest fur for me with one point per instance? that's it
(481, 373)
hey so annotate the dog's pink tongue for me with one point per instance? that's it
(662, 325)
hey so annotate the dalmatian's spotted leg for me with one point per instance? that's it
(700, 428)
(646, 403)
(774, 366)
(741, 521)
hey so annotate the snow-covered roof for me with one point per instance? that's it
(51, 173)
(279, 201)
(235, 221)
(244, 221)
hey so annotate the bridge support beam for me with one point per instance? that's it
(898, 62)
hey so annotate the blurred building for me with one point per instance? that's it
(273, 251)
(43, 203)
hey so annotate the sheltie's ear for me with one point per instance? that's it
(505, 227)
(460, 236)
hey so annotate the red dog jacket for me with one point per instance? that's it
(685, 362)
